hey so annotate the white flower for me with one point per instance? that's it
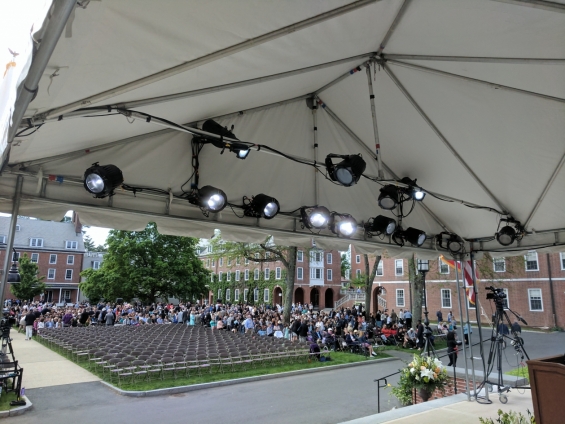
(412, 370)
(418, 378)
(437, 363)
(428, 373)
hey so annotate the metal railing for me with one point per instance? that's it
(357, 297)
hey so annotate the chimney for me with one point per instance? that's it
(77, 224)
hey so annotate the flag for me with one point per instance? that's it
(467, 277)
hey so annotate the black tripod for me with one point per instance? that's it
(429, 349)
(500, 325)
(6, 342)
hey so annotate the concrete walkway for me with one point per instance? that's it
(45, 368)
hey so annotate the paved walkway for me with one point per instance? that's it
(45, 368)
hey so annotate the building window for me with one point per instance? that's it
(51, 274)
(208, 263)
(228, 295)
(71, 245)
(246, 275)
(329, 258)
(36, 242)
(213, 263)
(209, 249)
(562, 255)
(212, 277)
(221, 262)
(446, 298)
(52, 259)
(316, 256)
(536, 303)
(316, 273)
(443, 267)
(532, 261)
(329, 274)
(71, 260)
(18, 228)
(236, 295)
(499, 264)
(219, 294)
(237, 275)
(399, 297)
(347, 272)
(245, 291)
(380, 269)
(246, 261)
(266, 295)
(357, 259)
(267, 273)
(3, 239)
(69, 274)
(299, 273)
(96, 265)
(256, 257)
(220, 275)
(358, 273)
(67, 295)
(299, 256)
(256, 274)
(228, 276)
(238, 261)
(398, 267)
(35, 257)
(278, 273)
(229, 261)
(256, 295)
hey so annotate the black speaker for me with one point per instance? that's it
(119, 301)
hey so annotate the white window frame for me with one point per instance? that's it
(51, 256)
(329, 258)
(51, 272)
(238, 261)
(396, 267)
(237, 275)
(256, 274)
(562, 260)
(257, 257)
(530, 300)
(18, 227)
(34, 258)
(442, 291)
(526, 261)
(70, 244)
(70, 258)
(329, 274)
(245, 293)
(66, 294)
(380, 269)
(213, 262)
(498, 261)
(255, 295)
(67, 274)
(228, 276)
(3, 239)
(400, 291)
(212, 275)
(299, 256)
(278, 273)
(347, 273)
(221, 262)
(357, 272)
(208, 263)
(266, 295)
(95, 264)
(246, 262)
(219, 294)
(300, 273)
(246, 275)
(236, 295)
(220, 275)
(228, 295)
(229, 261)
(267, 273)
(357, 259)
(442, 264)
(316, 273)
(209, 248)
(35, 242)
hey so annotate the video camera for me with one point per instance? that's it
(496, 293)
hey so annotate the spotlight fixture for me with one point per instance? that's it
(413, 190)
(452, 242)
(262, 206)
(343, 224)
(315, 216)
(241, 150)
(381, 225)
(412, 235)
(348, 171)
(388, 199)
(511, 232)
(209, 198)
(102, 180)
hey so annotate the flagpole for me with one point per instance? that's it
(464, 348)
(467, 296)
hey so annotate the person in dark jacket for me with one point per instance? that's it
(30, 319)
(451, 348)
(303, 331)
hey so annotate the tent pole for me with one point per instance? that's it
(477, 81)
(394, 24)
(545, 190)
(209, 58)
(11, 236)
(338, 79)
(518, 60)
(315, 123)
(537, 4)
(28, 89)
(464, 347)
(442, 137)
(468, 320)
(378, 154)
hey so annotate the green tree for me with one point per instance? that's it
(88, 244)
(266, 251)
(345, 265)
(31, 284)
(147, 265)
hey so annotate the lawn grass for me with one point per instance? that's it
(5, 400)
(519, 372)
(337, 358)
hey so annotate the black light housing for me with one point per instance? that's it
(412, 235)
(348, 171)
(452, 242)
(315, 216)
(388, 199)
(241, 150)
(262, 206)
(210, 198)
(102, 180)
(506, 235)
(381, 225)
(343, 224)
(413, 190)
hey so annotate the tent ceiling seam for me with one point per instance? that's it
(479, 59)
(537, 4)
(394, 25)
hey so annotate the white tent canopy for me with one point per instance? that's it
(469, 99)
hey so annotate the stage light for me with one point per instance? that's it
(455, 244)
(315, 217)
(506, 235)
(348, 171)
(388, 199)
(210, 198)
(102, 180)
(381, 225)
(414, 236)
(343, 224)
(241, 150)
(262, 206)
(413, 190)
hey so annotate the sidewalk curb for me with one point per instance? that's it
(202, 386)
(17, 411)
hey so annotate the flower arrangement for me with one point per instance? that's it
(424, 373)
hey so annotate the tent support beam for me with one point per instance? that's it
(315, 129)
(545, 190)
(478, 81)
(516, 60)
(28, 89)
(442, 137)
(537, 4)
(360, 142)
(378, 154)
(209, 58)
(394, 24)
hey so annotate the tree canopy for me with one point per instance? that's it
(147, 265)
(31, 284)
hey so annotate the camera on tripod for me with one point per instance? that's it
(495, 293)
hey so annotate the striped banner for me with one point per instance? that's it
(467, 277)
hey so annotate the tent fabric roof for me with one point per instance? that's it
(469, 99)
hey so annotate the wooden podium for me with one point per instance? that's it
(547, 378)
